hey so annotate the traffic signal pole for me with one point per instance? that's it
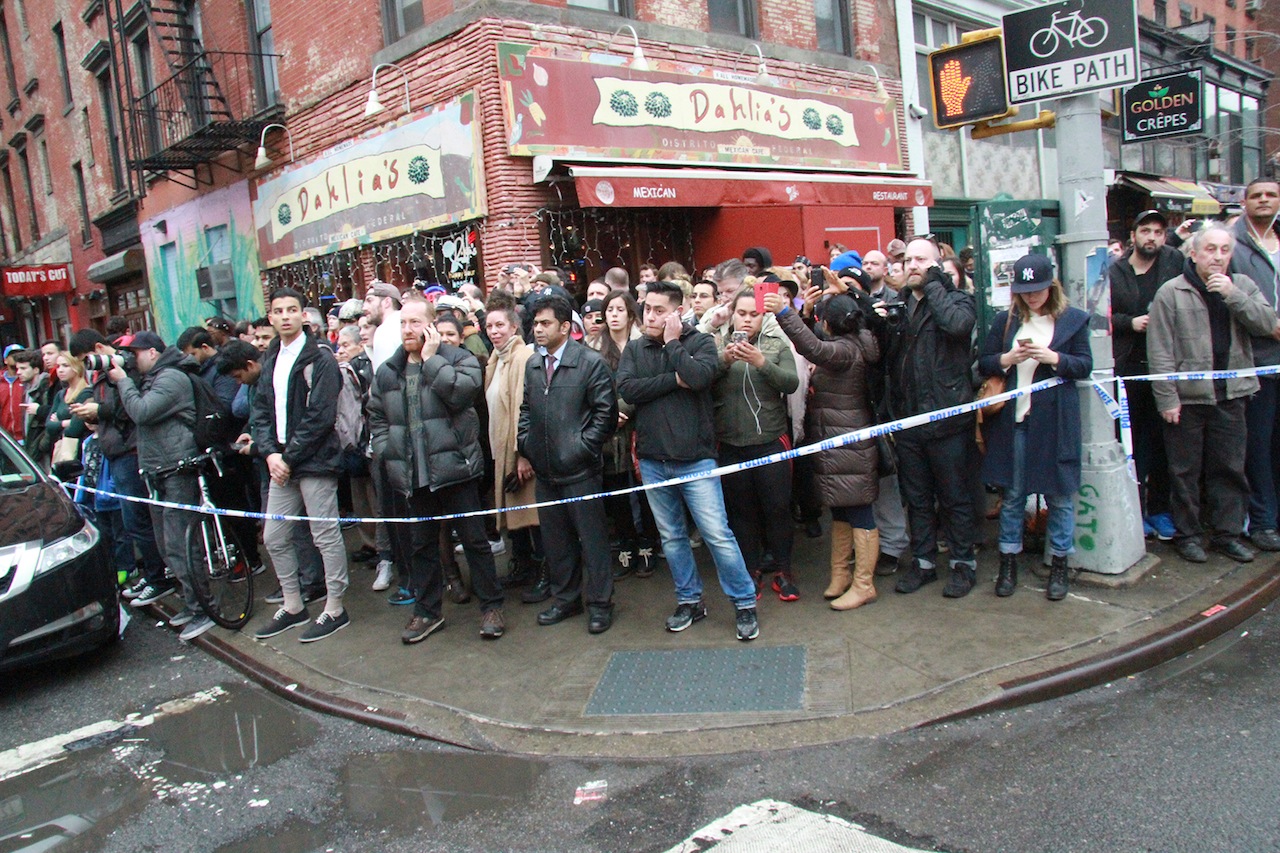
(1109, 536)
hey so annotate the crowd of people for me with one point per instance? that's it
(422, 403)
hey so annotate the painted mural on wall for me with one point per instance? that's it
(421, 174)
(215, 232)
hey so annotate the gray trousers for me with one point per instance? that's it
(316, 497)
(891, 518)
(170, 526)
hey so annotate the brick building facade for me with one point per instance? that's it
(190, 90)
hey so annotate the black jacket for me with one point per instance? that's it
(117, 434)
(1129, 300)
(450, 442)
(311, 443)
(673, 424)
(563, 427)
(930, 355)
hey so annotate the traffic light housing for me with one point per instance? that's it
(969, 83)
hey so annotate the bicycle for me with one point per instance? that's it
(1087, 32)
(222, 576)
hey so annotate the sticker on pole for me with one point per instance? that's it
(1069, 48)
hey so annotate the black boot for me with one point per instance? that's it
(1057, 589)
(454, 587)
(520, 572)
(1007, 580)
(541, 589)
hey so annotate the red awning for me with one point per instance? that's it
(647, 187)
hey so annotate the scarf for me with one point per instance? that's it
(1219, 325)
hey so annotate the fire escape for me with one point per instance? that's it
(211, 102)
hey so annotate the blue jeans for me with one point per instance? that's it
(705, 501)
(1062, 508)
(138, 530)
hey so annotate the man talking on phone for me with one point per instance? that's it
(929, 358)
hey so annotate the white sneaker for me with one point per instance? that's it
(498, 546)
(383, 580)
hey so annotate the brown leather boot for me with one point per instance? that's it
(866, 545)
(841, 549)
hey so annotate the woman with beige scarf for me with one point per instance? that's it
(513, 477)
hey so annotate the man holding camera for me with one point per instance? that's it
(929, 360)
(118, 440)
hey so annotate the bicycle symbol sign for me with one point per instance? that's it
(1070, 47)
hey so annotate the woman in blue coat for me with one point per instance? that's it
(1033, 445)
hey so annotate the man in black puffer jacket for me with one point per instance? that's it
(569, 412)
(929, 367)
(427, 435)
(292, 423)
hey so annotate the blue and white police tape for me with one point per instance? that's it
(807, 450)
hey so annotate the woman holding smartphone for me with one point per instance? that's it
(1033, 446)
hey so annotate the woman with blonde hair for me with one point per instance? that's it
(1034, 443)
(75, 389)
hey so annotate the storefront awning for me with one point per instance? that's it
(120, 265)
(600, 186)
(1179, 195)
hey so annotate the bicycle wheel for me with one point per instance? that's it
(223, 578)
(1097, 32)
(1044, 43)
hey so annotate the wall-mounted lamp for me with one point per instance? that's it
(638, 62)
(161, 225)
(263, 161)
(763, 78)
(373, 105)
(881, 92)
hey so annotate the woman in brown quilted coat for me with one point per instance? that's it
(847, 476)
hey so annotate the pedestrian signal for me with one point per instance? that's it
(969, 83)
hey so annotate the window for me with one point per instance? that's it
(831, 18)
(218, 246)
(86, 234)
(1185, 15)
(1162, 12)
(615, 6)
(1251, 140)
(146, 91)
(12, 201)
(1231, 39)
(86, 135)
(264, 43)
(60, 44)
(11, 76)
(46, 170)
(106, 98)
(401, 17)
(732, 16)
(24, 170)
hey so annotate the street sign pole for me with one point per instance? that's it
(1108, 514)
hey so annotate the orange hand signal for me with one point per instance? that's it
(953, 87)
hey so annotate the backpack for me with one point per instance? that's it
(349, 424)
(214, 427)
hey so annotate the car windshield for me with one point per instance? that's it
(16, 470)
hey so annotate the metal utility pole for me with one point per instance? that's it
(1109, 536)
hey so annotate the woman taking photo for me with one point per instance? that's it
(62, 424)
(635, 545)
(847, 477)
(1033, 444)
(757, 372)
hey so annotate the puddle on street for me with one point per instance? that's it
(295, 836)
(416, 789)
(184, 758)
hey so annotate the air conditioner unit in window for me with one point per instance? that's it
(1253, 5)
(216, 281)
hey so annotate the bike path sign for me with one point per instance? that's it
(1069, 48)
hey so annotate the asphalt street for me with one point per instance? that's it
(1175, 759)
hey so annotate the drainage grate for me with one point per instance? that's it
(701, 681)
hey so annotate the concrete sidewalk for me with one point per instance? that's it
(813, 676)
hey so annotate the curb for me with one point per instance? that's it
(1134, 657)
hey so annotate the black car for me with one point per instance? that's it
(58, 593)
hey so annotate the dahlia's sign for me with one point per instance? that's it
(423, 174)
(593, 106)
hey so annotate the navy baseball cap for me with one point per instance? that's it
(1032, 273)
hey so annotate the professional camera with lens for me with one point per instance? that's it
(895, 313)
(97, 361)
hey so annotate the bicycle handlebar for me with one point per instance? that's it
(191, 462)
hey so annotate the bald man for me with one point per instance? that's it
(929, 359)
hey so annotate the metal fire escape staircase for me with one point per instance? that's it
(211, 102)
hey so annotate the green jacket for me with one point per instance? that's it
(750, 402)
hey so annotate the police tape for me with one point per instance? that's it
(832, 443)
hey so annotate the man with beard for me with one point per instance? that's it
(1135, 278)
(382, 307)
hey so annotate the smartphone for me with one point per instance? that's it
(762, 288)
(1025, 341)
(817, 279)
(738, 338)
